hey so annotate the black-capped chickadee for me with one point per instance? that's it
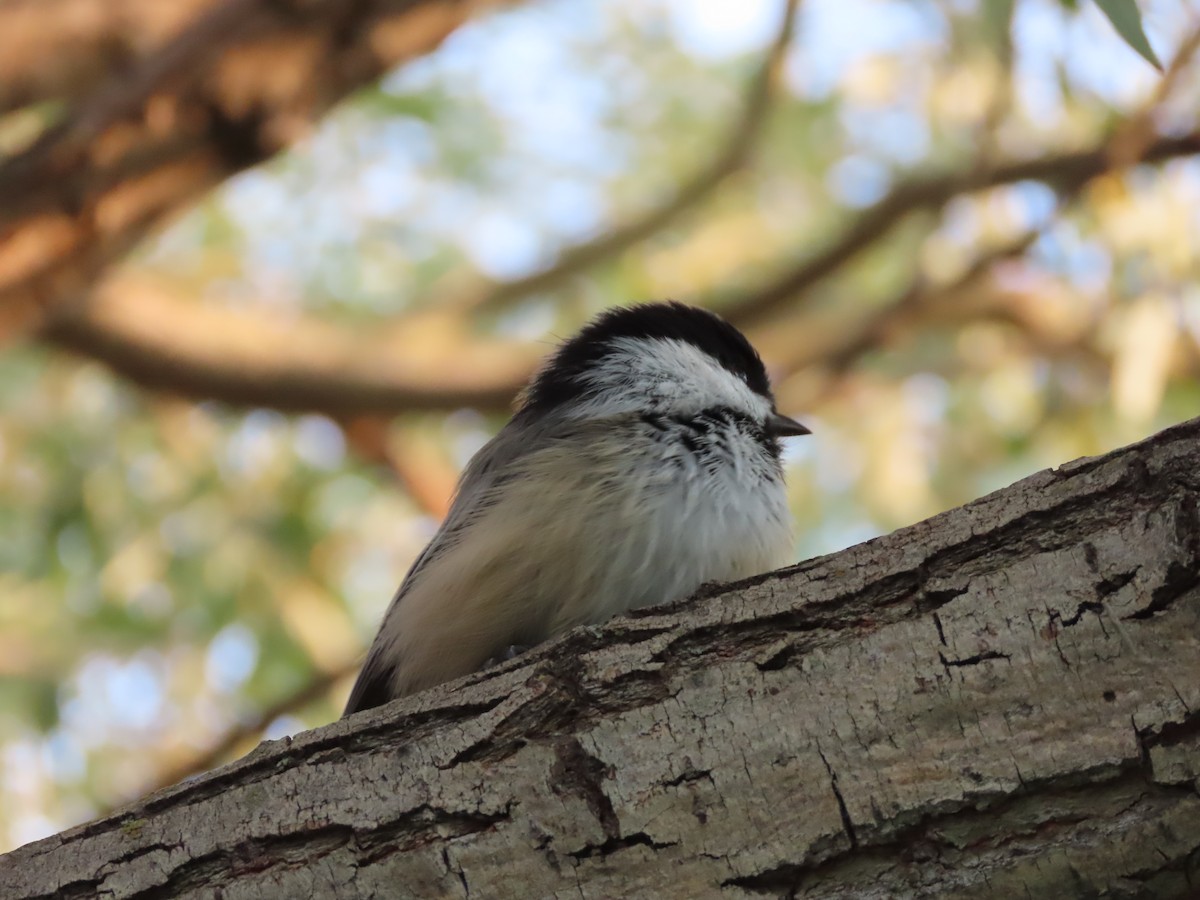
(642, 462)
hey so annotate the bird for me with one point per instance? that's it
(641, 462)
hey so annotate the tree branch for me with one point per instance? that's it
(59, 50)
(200, 350)
(1128, 145)
(881, 327)
(1064, 171)
(1001, 696)
(1132, 139)
(241, 82)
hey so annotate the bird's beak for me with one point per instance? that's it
(782, 426)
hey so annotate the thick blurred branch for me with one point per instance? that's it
(241, 82)
(59, 50)
(732, 156)
(201, 350)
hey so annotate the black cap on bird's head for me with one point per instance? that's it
(607, 343)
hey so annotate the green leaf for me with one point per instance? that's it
(1127, 20)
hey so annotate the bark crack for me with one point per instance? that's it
(1179, 581)
(941, 632)
(975, 660)
(1183, 575)
(847, 823)
(614, 844)
(580, 773)
(456, 870)
(1170, 734)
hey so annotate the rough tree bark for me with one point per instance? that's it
(1000, 701)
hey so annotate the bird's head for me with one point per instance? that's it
(656, 358)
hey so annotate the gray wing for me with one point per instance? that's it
(486, 471)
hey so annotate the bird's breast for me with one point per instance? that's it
(674, 503)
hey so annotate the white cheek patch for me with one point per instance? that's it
(665, 374)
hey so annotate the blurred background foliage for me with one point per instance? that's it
(183, 575)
